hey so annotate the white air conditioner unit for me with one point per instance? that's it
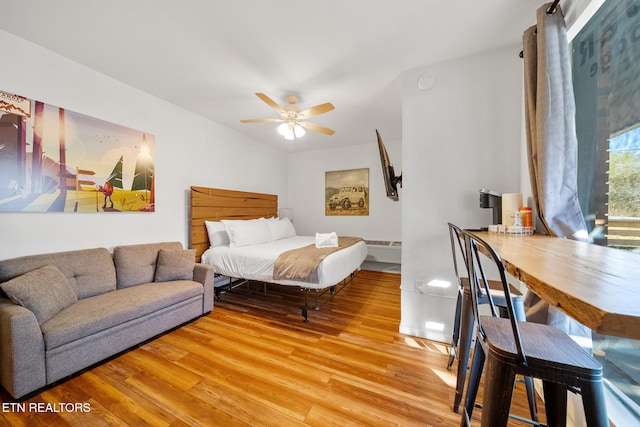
(384, 251)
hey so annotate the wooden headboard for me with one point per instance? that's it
(214, 204)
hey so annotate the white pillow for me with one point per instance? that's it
(217, 232)
(281, 228)
(326, 240)
(247, 232)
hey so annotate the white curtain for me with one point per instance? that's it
(551, 143)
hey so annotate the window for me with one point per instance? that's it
(606, 75)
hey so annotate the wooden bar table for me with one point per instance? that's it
(596, 285)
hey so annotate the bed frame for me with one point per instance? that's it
(215, 204)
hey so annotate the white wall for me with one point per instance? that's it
(307, 183)
(190, 150)
(461, 135)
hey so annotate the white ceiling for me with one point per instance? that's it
(211, 56)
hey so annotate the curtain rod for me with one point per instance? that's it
(550, 11)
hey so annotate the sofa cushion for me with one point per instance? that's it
(136, 264)
(44, 291)
(89, 271)
(101, 312)
(175, 265)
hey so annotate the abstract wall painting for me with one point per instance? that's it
(56, 160)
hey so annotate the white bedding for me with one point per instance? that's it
(255, 262)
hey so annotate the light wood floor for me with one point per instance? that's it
(252, 361)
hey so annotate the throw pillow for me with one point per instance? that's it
(175, 265)
(44, 291)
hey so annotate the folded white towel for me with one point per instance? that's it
(326, 240)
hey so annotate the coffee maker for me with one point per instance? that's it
(493, 200)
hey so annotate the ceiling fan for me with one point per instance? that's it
(293, 119)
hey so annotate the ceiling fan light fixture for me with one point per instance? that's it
(288, 130)
(293, 120)
(283, 129)
(291, 130)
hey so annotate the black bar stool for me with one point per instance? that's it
(464, 320)
(512, 347)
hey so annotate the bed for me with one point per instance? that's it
(249, 254)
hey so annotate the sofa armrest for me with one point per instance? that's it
(203, 273)
(22, 359)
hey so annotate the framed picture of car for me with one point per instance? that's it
(347, 192)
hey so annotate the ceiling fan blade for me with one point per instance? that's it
(271, 103)
(261, 120)
(317, 128)
(315, 111)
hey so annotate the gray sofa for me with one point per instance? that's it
(62, 312)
